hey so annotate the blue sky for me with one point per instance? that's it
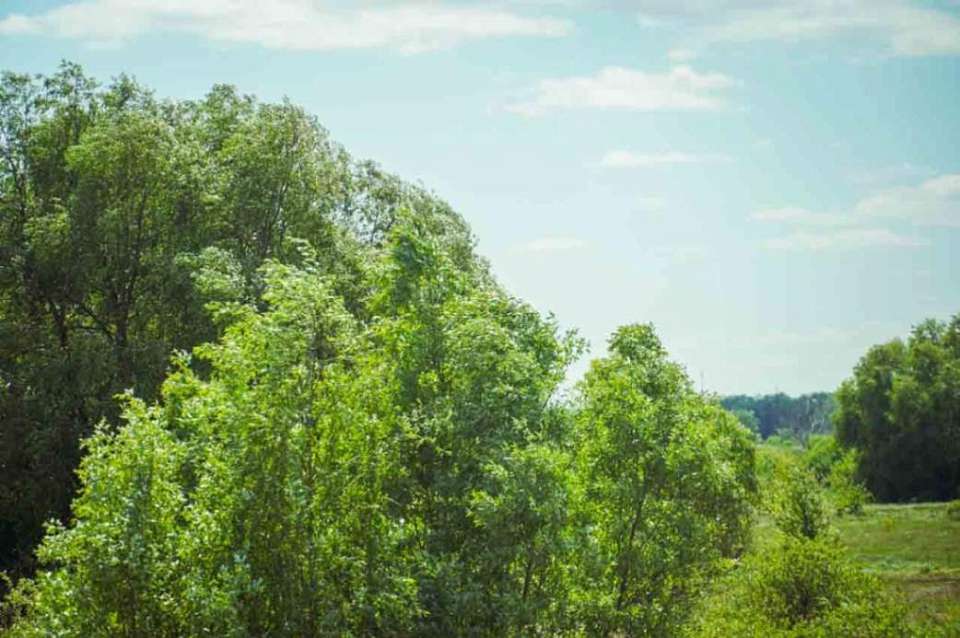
(775, 185)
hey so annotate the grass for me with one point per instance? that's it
(916, 549)
(903, 538)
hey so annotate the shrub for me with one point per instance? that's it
(821, 454)
(797, 504)
(848, 495)
(800, 588)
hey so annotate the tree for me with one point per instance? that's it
(667, 484)
(367, 437)
(477, 371)
(257, 501)
(121, 216)
(901, 410)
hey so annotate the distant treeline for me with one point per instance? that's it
(770, 414)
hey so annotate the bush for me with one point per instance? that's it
(848, 495)
(802, 581)
(797, 503)
(821, 454)
(800, 588)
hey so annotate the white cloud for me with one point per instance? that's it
(285, 24)
(681, 55)
(680, 88)
(552, 245)
(892, 174)
(935, 202)
(800, 217)
(904, 27)
(846, 239)
(628, 159)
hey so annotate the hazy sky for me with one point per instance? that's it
(775, 185)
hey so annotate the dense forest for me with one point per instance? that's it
(250, 386)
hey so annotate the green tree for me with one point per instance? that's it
(368, 437)
(255, 502)
(478, 370)
(121, 216)
(667, 484)
(901, 410)
(772, 414)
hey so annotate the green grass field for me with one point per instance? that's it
(915, 548)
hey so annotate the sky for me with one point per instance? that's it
(774, 185)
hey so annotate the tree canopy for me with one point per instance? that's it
(121, 217)
(331, 418)
(405, 475)
(901, 409)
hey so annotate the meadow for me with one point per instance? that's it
(916, 549)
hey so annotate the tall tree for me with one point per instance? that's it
(668, 482)
(901, 409)
(121, 216)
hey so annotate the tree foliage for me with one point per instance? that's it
(121, 216)
(901, 410)
(333, 419)
(668, 481)
(410, 475)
